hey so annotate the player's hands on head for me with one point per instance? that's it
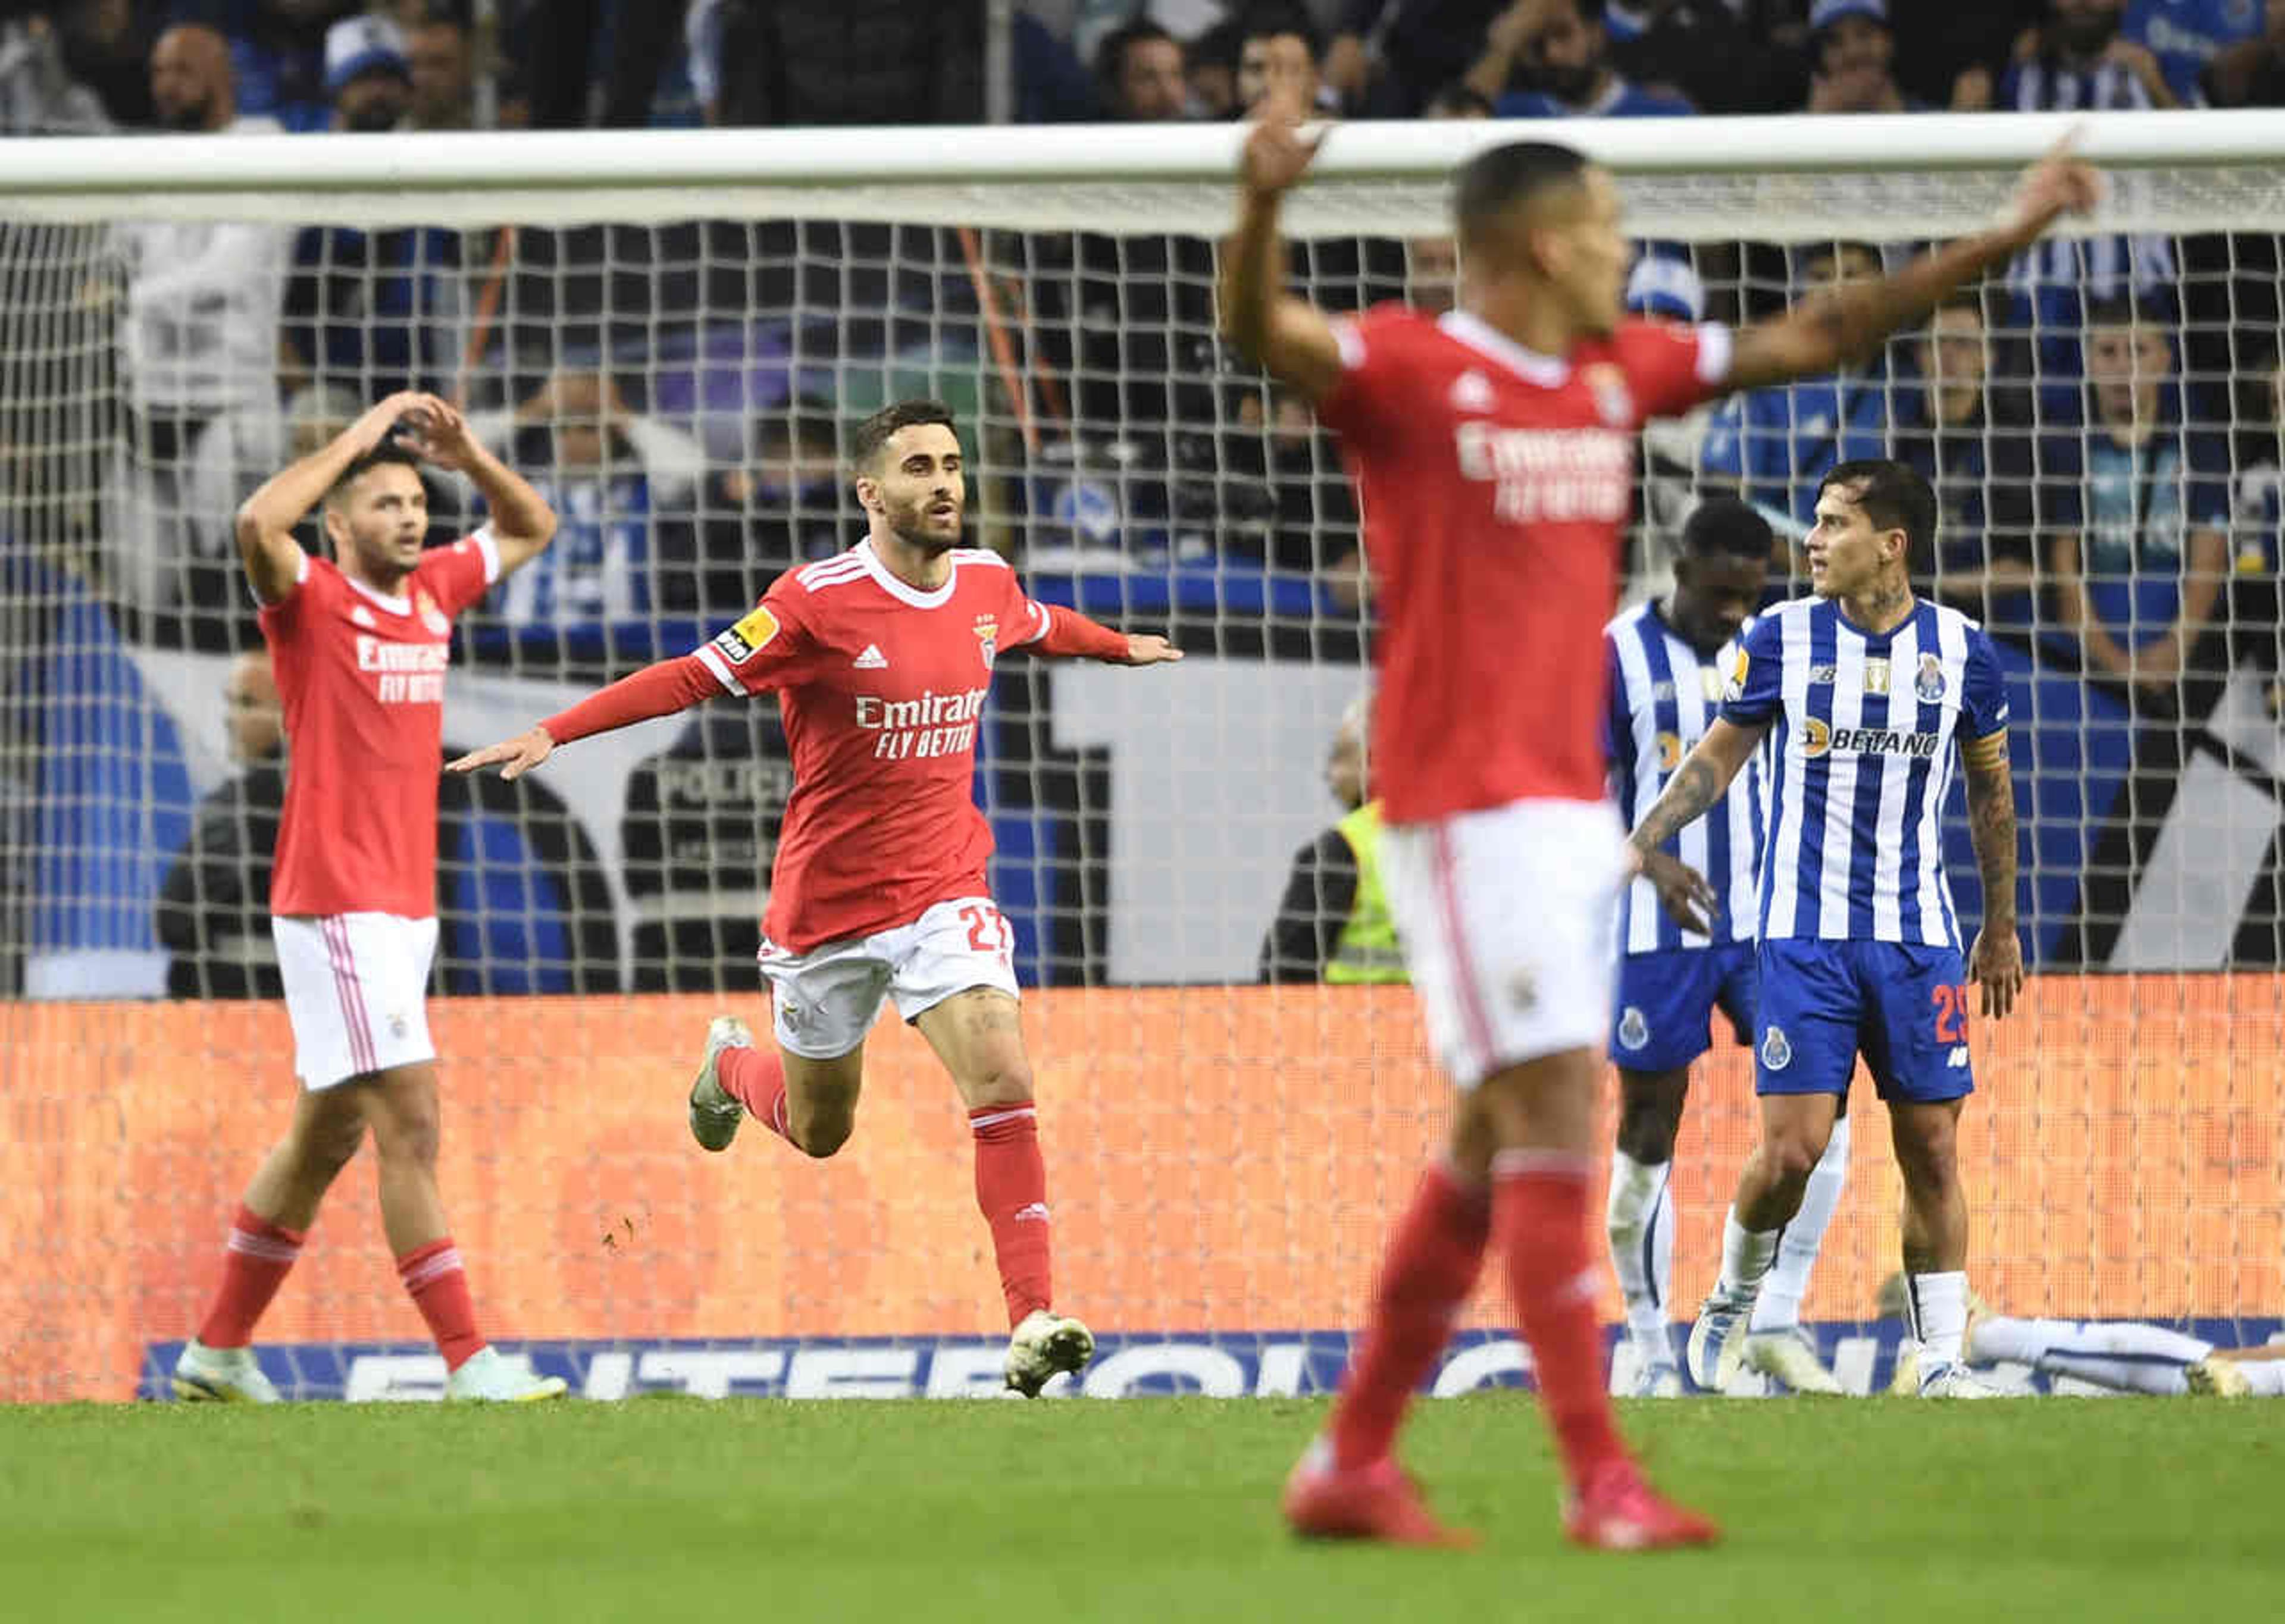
(1996, 964)
(1276, 154)
(380, 419)
(2059, 184)
(1145, 650)
(434, 432)
(514, 757)
(1685, 894)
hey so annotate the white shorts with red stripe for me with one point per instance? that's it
(1507, 917)
(825, 1001)
(356, 990)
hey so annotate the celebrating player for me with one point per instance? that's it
(1871, 691)
(359, 644)
(1494, 449)
(1666, 661)
(881, 657)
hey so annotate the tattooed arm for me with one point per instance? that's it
(1696, 785)
(1995, 961)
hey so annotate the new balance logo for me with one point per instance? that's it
(872, 659)
(1035, 1213)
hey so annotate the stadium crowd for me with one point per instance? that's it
(2103, 426)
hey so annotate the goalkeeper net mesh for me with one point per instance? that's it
(671, 336)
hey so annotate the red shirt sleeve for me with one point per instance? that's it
(1380, 351)
(773, 646)
(317, 582)
(1671, 367)
(458, 575)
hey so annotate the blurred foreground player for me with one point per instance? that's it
(359, 644)
(881, 657)
(1494, 449)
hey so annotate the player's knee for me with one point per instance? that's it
(1647, 1127)
(1005, 1083)
(819, 1135)
(327, 1147)
(408, 1135)
(1790, 1157)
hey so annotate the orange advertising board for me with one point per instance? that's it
(1219, 1159)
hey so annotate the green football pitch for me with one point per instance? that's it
(1150, 1510)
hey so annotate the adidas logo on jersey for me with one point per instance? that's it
(363, 616)
(872, 659)
(1472, 391)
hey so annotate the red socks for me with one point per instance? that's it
(1011, 1189)
(439, 1288)
(756, 1078)
(253, 1266)
(1425, 1279)
(1540, 1207)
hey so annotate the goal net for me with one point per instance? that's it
(671, 334)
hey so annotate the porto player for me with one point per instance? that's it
(1494, 451)
(358, 644)
(881, 657)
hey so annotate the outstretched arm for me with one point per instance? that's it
(659, 689)
(1070, 635)
(1288, 336)
(1995, 961)
(1821, 334)
(267, 518)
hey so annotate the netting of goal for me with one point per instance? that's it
(670, 333)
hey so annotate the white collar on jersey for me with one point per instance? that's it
(1547, 371)
(397, 605)
(903, 591)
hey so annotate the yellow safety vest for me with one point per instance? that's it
(1367, 950)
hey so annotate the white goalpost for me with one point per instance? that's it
(671, 331)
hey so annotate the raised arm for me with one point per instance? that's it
(1995, 961)
(522, 521)
(267, 518)
(1288, 336)
(1821, 334)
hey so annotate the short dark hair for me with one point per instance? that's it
(1503, 177)
(1893, 495)
(1269, 21)
(871, 435)
(2126, 310)
(1111, 55)
(386, 454)
(1726, 527)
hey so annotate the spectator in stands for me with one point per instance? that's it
(1723, 56)
(213, 913)
(368, 74)
(1852, 56)
(762, 62)
(2140, 558)
(38, 96)
(1279, 49)
(1777, 443)
(2250, 72)
(617, 480)
(2256, 616)
(1549, 58)
(1211, 60)
(1332, 923)
(1140, 72)
(199, 360)
(441, 61)
(1971, 438)
(277, 50)
(2082, 49)
(759, 520)
(106, 47)
(1388, 56)
(573, 83)
(701, 821)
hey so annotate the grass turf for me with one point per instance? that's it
(1149, 1509)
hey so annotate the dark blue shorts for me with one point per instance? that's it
(1664, 1017)
(1901, 1006)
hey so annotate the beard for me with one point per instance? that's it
(373, 118)
(912, 528)
(190, 116)
(1569, 85)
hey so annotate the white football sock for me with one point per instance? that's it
(2265, 1377)
(1640, 1220)
(1778, 1307)
(2128, 1357)
(1746, 1255)
(1936, 1305)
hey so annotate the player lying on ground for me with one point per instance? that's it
(881, 658)
(2123, 1355)
(1871, 692)
(358, 643)
(1667, 659)
(1494, 449)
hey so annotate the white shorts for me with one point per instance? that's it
(825, 1001)
(1507, 918)
(356, 990)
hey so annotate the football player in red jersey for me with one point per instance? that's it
(881, 657)
(1492, 449)
(358, 643)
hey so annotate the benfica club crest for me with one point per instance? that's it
(1614, 402)
(431, 616)
(987, 638)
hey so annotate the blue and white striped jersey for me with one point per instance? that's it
(1867, 732)
(1663, 697)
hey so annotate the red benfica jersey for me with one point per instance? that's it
(1495, 483)
(881, 683)
(362, 677)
